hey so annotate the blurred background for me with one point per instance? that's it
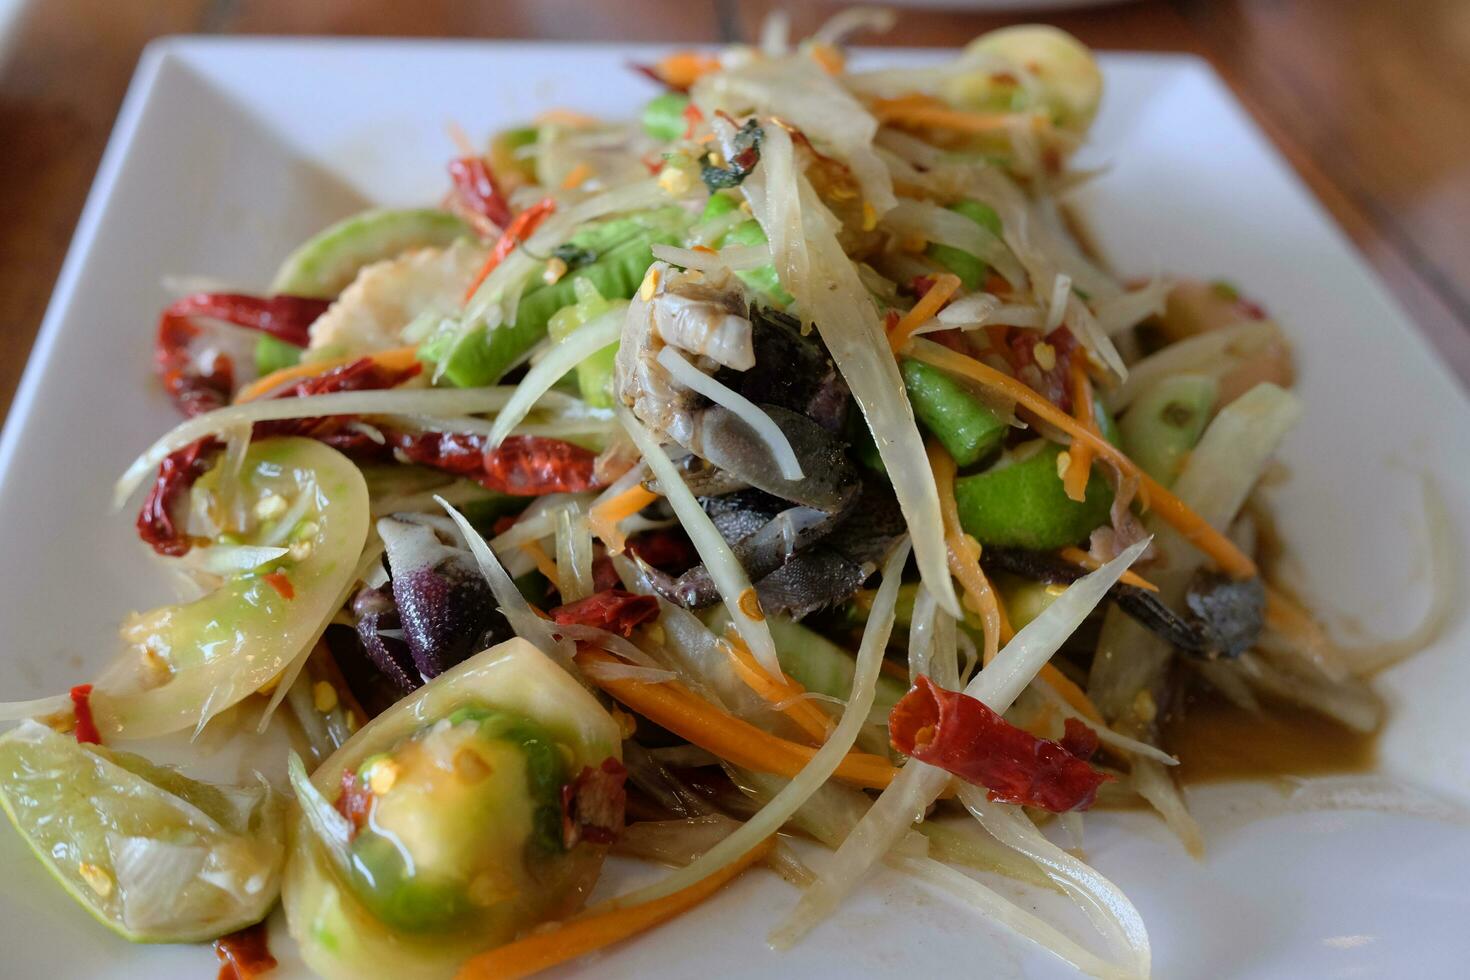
(1369, 99)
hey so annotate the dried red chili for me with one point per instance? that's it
(81, 706)
(529, 466)
(919, 285)
(244, 955)
(477, 191)
(462, 454)
(287, 318)
(604, 574)
(594, 804)
(193, 388)
(176, 474)
(179, 470)
(961, 735)
(612, 609)
(337, 431)
(1080, 740)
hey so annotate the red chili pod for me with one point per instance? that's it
(594, 804)
(612, 609)
(196, 390)
(529, 466)
(176, 474)
(81, 703)
(963, 736)
(477, 190)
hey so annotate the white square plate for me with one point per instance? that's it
(227, 153)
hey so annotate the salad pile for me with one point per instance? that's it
(775, 473)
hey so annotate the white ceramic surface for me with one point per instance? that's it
(228, 152)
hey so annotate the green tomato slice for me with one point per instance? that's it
(1070, 80)
(446, 825)
(326, 263)
(189, 662)
(151, 854)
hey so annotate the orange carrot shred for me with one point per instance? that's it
(604, 517)
(785, 691)
(679, 710)
(683, 68)
(927, 111)
(576, 177)
(543, 561)
(394, 359)
(596, 929)
(1077, 556)
(1079, 456)
(1071, 693)
(829, 57)
(923, 311)
(1173, 511)
(964, 556)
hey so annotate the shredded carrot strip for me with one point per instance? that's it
(683, 68)
(543, 561)
(395, 359)
(1079, 457)
(1170, 508)
(807, 716)
(567, 117)
(964, 564)
(925, 110)
(923, 311)
(676, 708)
(964, 556)
(828, 57)
(605, 517)
(596, 929)
(576, 177)
(1071, 693)
(1079, 557)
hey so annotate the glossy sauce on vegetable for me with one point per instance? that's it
(1216, 740)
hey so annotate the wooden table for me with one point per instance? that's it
(1370, 100)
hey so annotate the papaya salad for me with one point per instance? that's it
(776, 474)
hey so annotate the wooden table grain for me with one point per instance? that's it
(1368, 99)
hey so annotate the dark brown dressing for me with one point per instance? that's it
(1217, 740)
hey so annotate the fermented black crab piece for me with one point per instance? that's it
(764, 533)
(834, 568)
(376, 620)
(792, 371)
(814, 562)
(795, 381)
(1224, 617)
(445, 606)
(725, 440)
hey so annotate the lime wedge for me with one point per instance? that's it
(153, 855)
